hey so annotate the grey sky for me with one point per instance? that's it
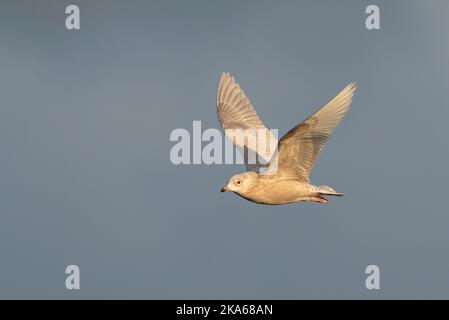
(85, 119)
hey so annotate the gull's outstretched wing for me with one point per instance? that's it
(300, 147)
(240, 122)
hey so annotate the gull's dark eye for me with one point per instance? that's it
(238, 181)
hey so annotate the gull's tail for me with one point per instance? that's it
(326, 190)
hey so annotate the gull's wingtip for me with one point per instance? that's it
(225, 75)
(350, 88)
(353, 85)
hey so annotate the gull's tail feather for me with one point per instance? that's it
(328, 191)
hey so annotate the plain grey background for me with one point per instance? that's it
(85, 174)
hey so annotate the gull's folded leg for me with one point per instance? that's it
(319, 199)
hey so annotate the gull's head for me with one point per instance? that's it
(240, 183)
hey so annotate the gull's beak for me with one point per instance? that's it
(224, 189)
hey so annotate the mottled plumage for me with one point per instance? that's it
(286, 176)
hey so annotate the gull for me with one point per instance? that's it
(284, 178)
